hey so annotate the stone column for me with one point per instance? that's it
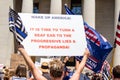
(27, 6)
(56, 7)
(116, 58)
(6, 37)
(88, 8)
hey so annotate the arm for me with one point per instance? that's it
(77, 64)
(30, 63)
(77, 73)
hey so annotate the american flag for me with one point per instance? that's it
(16, 26)
(117, 39)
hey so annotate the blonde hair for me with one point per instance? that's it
(56, 68)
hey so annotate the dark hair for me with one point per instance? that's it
(21, 70)
(116, 71)
(96, 77)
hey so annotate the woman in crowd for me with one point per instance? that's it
(20, 73)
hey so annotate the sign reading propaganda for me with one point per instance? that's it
(54, 35)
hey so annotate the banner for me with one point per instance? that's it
(54, 35)
(99, 48)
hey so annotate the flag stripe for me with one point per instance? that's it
(117, 41)
(22, 34)
(118, 35)
(118, 27)
(90, 35)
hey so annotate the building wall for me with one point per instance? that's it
(18, 5)
(105, 18)
(6, 37)
(44, 6)
(105, 21)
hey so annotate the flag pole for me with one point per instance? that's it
(111, 64)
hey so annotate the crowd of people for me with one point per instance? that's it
(54, 70)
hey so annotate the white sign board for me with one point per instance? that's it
(54, 35)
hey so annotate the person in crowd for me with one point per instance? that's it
(64, 59)
(67, 73)
(29, 73)
(86, 76)
(56, 67)
(82, 76)
(116, 72)
(20, 73)
(1, 74)
(6, 73)
(45, 70)
(97, 76)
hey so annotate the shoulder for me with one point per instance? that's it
(47, 76)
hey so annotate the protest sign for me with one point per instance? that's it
(54, 35)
